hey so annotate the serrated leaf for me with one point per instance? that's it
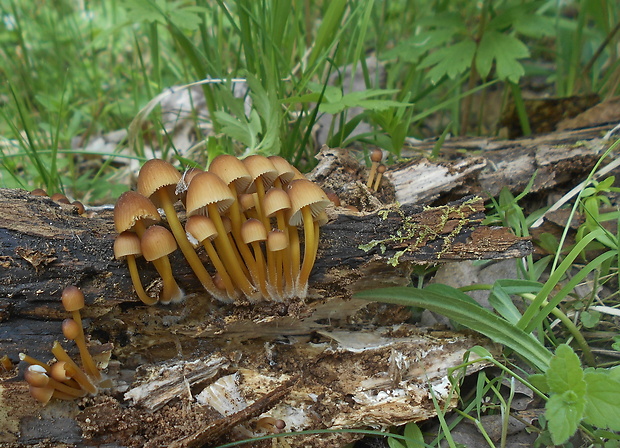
(602, 400)
(236, 129)
(505, 50)
(563, 413)
(565, 372)
(412, 49)
(449, 61)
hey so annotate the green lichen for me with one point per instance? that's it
(416, 235)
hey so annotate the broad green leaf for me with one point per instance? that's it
(602, 399)
(500, 299)
(590, 318)
(505, 50)
(539, 381)
(563, 413)
(468, 314)
(414, 435)
(236, 129)
(534, 25)
(451, 61)
(565, 372)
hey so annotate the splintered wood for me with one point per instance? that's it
(201, 372)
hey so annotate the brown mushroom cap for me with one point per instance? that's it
(38, 192)
(304, 193)
(156, 174)
(276, 240)
(71, 329)
(60, 198)
(230, 169)
(274, 201)
(260, 166)
(131, 207)
(157, 242)
(376, 155)
(72, 298)
(252, 231)
(201, 228)
(207, 188)
(127, 243)
(286, 171)
(381, 169)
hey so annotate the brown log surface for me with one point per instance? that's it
(45, 246)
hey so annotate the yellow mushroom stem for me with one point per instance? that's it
(89, 364)
(186, 247)
(287, 255)
(228, 255)
(380, 170)
(219, 267)
(33, 361)
(160, 266)
(258, 201)
(137, 284)
(295, 261)
(79, 375)
(262, 268)
(235, 215)
(309, 252)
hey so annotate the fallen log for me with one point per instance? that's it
(46, 246)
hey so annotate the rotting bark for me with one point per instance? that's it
(47, 246)
(484, 165)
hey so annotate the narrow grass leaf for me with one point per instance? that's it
(470, 315)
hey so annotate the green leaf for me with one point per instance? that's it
(505, 50)
(468, 314)
(539, 381)
(565, 372)
(602, 400)
(236, 129)
(563, 413)
(413, 434)
(451, 61)
(590, 318)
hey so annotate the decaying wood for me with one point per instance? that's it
(489, 164)
(345, 383)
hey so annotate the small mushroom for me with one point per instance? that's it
(263, 175)
(208, 194)
(73, 301)
(277, 204)
(60, 198)
(375, 157)
(157, 243)
(286, 171)
(203, 230)
(134, 212)
(307, 201)
(37, 376)
(157, 181)
(380, 170)
(78, 374)
(127, 247)
(277, 243)
(253, 232)
(270, 424)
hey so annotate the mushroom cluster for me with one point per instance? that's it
(244, 213)
(64, 379)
